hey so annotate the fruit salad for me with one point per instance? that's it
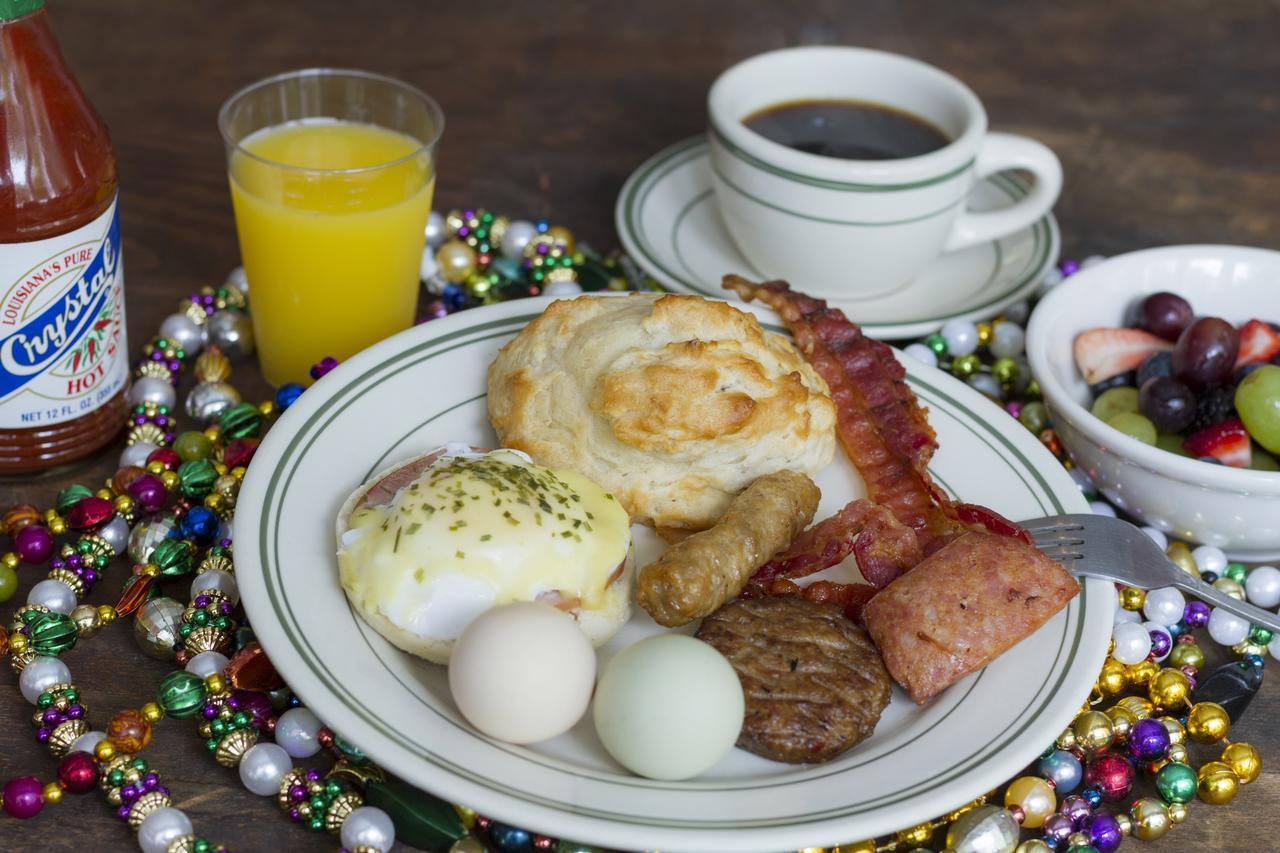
(1196, 386)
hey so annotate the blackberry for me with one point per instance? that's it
(1213, 406)
(1114, 382)
(1156, 364)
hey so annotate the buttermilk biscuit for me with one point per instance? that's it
(672, 403)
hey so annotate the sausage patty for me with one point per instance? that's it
(814, 683)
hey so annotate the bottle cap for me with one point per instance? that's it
(10, 9)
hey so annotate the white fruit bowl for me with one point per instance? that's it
(1236, 509)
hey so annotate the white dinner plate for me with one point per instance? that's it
(426, 386)
(666, 216)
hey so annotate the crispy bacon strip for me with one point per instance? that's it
(882, 427)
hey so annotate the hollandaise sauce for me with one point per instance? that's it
(475, 531)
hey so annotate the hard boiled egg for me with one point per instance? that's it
(668, 707)
(522, 672)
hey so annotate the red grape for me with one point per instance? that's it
(1164, 314)
(1205, 353)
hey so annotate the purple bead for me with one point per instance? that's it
(225, 608)
(56, 563)
(257, 705)
(151, 780)
(89, 576)
(323, 366)
(225, 543)
(209, 711)
(74, 561)
(202, 601)
(1148, 739)
(123, 812)
(23, 797)
(234, 702)
(161, 421)
(1069, 267)
(435, 310)
(297, 793)
(51, 716)
(129, 793)
(1057, 828)
(1104, 833)
(1160, 643)
(313, 775)
(42, 735)
(139, 420)
(1190, 673)
(157, 355)
(75, 712)
(1076, 809)
(34, 544)
(294, 815)
(161, 789)
(149, 492)
(1196, 614)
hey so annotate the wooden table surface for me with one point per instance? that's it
(1165, 115)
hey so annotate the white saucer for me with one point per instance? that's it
(666, 216)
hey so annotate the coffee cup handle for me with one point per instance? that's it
(1001, 152)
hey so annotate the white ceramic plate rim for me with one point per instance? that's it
(631, 201)
(1078, 659)
(1126, 267)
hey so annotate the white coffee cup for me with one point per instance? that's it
(861, 229)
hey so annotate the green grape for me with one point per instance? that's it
(1171, 442)
(1258, 402)
(1136, 426)
(1260, 461)
(1115, 401)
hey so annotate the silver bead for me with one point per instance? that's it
(208, 400)
(155, 627)
(562, 289)
(429, 266)
(237, 279)
(146, 536)
(369, 826)
(116, 534)
(1018, 312)
(984, 829)
(218, 580)
(206, 664)
(161, 828)
(149, 389)
(136, 454)
(987, 384)
(961, 337)
(297, 731)
(184, 332)
(225, 530)
(517, 235)
(262, 768)
(232, 332)
(53, 594)
(87, 742)
(435, 229)
(1007, 339)
(41, 674)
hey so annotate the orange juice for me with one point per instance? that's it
(331, 217)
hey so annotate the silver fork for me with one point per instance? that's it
(1104, 547)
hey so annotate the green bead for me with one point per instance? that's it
(115, 778)
(184, 630)
(70, 496)
(240, 720)
(964, 366)
(318, 804)
(139, 764)
(8, 582)
(181, 694)
(937, 343)
(218, 727)
(51, 634)
(45, 700)
(1235, 571)
(1176, 783)
(1260, 635)
(1034, 416)
(196, 478)
(174, 557)
(193, 445)
(71, 695)
(242, 420)
(202, 846)
(315, 823)
(200, 617)
(420, 819)
(352, 751)
(211, 744)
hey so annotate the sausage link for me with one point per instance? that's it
(694, 577)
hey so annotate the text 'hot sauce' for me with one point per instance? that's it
(63, 354)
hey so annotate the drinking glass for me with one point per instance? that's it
(331, 175)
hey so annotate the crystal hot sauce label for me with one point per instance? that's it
(62, 336)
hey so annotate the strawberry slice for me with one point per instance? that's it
(1103, 353)
(1258, 342)
(1228, 442)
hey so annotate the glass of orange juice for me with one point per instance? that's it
(331, 178)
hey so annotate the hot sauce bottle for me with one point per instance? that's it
(63, 355)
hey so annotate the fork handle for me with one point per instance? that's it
(1217, 598)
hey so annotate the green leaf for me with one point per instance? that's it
(421, 820)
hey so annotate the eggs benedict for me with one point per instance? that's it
(427, 546)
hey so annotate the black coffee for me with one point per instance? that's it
(848, 130)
